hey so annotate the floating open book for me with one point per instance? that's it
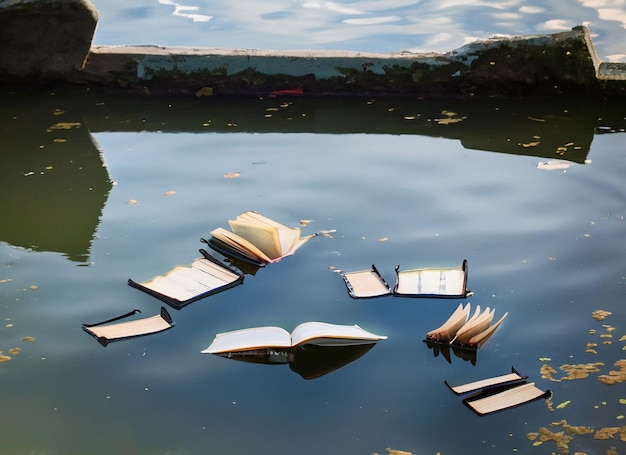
(109, 330)
(256, 239)
(309, 361)
(187, 283)
(450, 282)
(500, 392)
(461, 330)
(317, 333)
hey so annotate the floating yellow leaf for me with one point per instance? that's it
(8, 280)
(530, 144)
(600, 314)
(305, 222)
(60, 140)
(383, 239)
(28, 339)
(65, 125)
(14, 351)
(169, 193)
(4, 358)
(544, 359)
(606, 433)
(397, 452)
(562, 405)
(204, 91)
(58, 111)
(449, 120)
(231, 175)
(622, 400)
(132, 201)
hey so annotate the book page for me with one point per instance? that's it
(213, 270)
(183, 282)
(322, 333)
(240, 244)
(431, 282)
(366, 283)
(262, 236)
(247, 339)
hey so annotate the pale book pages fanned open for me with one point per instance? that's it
(110, 330)
(256, 239)
(187, 283)
(466, 332)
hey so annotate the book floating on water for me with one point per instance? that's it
(449, 282)
(317, 333)
(461, 330)
(256, 239)
(109, 330)
(500, 392)
(187, 283)
(312, 349)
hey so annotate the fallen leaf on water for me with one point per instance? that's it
(383, 239)
(535, 119)
(530, 144)
(449, 120)
(562, 405)
(132, 201)
(4, 358)
(600, 314)
(28, 339)
(305, 222)
(397, 452)
(231, 175)
(65, 125)
(169, 193)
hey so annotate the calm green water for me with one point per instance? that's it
(546, 246)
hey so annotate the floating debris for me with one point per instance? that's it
(552, 165)
(615, 376)
(231, 175)
(580, 371)
(28, 339)
(383, 239)
(169, 193)
(305, 222)
(65, 126)
(600, 314)
(564, 404)
(204, 91)
(132, 202)
(530, 144)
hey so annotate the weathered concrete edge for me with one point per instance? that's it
(549, 64)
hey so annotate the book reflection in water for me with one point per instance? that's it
(312, 350)
(310, 361)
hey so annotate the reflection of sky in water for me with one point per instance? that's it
(367, 25)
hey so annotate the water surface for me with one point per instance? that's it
(396, 183)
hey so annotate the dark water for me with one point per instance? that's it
(399, 186)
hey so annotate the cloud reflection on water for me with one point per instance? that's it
(395, 25)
